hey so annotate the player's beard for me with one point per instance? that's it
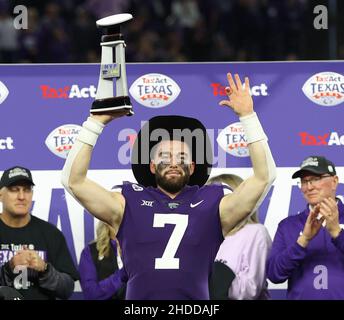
(172, 185)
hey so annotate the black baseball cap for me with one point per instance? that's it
(15, 174)
(317, 165)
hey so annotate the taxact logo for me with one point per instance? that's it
(325, 88)
(325, 139)
(258, 90)
(68, 92)
(6, 143)
(61, 139)
(154, 90)
(232, 139)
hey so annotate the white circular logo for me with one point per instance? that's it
(325, 88)
(154, 90)
(61, 139)
(232, 139)
(3, 92)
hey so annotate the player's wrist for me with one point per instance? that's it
(90, 131)
(252, 128)
(246, 114)
(94, 125)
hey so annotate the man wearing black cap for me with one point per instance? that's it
(308, 248)
(169, 225)
(34, 258)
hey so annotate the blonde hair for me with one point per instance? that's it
(104, 234)
(234, 181)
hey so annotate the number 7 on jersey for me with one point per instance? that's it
(168, 260)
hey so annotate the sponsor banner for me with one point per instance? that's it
(45, 103)
(232, 139)
(43, 107)
(324, 139)
(255, 90)
(6, 143)
(325, 88)
(154, 90)
(68, 92)
(61, 139)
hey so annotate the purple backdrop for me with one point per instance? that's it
(299, 104)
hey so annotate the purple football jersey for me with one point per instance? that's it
(169, 245)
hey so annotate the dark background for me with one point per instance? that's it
(64, 31)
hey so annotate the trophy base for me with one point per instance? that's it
(112, 105)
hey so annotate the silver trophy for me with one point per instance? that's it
(112, 42)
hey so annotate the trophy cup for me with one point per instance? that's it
(112, 42)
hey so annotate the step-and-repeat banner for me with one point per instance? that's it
(300, 105)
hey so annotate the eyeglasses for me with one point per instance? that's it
(314, 181)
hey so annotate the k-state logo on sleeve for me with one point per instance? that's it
(136, 187)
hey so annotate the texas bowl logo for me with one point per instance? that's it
(154, 90)
(61, 139)
(232, 139)
(325, 88)
(3, 92)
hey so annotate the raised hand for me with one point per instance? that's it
(239, 98)
(329, 209)
(312, 226)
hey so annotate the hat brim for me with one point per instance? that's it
(140, 167)
(300, 172)
(15, 181)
